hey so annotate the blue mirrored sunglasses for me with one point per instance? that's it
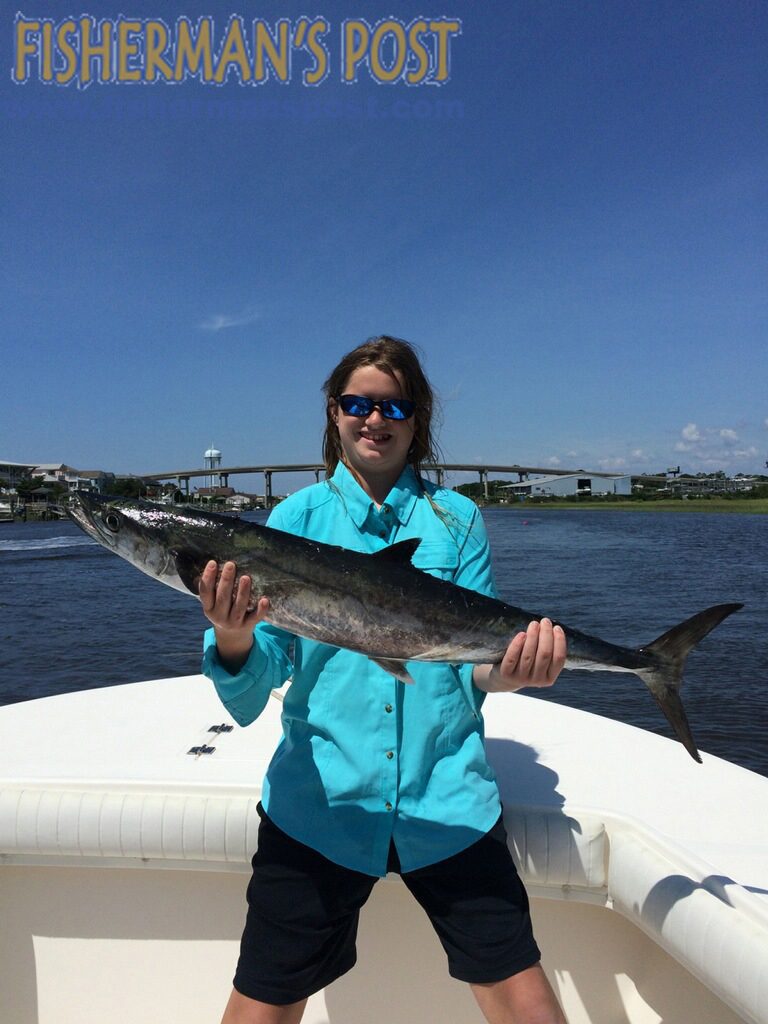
(390, 408)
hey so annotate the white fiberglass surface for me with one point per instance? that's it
(137, 947)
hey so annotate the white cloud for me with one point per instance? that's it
(714, 448)
(695, 446)
(220, 321)
(691, 433)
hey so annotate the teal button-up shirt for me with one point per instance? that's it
(364, 758)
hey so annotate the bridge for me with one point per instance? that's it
(438, 469)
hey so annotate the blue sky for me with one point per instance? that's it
(573, 230)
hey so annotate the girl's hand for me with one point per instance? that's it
(226, 606)
(533, 658)
(225, 603)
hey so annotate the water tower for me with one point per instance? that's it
(212, 463)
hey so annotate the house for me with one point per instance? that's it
(73, 479)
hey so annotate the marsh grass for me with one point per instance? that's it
(752, 506)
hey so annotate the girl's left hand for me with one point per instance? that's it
(533, 658)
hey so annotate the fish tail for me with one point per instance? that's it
(668, 653)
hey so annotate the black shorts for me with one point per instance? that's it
(303, 912)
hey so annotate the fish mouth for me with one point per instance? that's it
(86, 509)
(116, 523)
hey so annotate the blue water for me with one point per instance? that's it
(73, 616)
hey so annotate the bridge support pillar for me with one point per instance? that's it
(484, 482)
(267, 488)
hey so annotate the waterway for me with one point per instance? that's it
(73, 616)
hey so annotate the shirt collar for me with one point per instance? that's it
(401, 499)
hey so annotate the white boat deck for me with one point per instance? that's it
(598, 813)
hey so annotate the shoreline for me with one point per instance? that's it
(731, 506)
(749, 506)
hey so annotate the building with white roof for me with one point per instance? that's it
(570, 485)
(73, 479)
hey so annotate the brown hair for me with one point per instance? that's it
(391, 355)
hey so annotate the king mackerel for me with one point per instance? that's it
(378, 605)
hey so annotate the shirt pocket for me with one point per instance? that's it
(438, 558)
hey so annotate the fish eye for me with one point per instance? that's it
(112, 522)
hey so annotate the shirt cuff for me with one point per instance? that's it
(241, 693)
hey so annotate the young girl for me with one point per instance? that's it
(372, 775)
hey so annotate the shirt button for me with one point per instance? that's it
(388, 805)
(388, 708)
(390, 755)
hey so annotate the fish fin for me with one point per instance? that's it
(188, 569)
(394, 668)
(669, 651)
(401, 552)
